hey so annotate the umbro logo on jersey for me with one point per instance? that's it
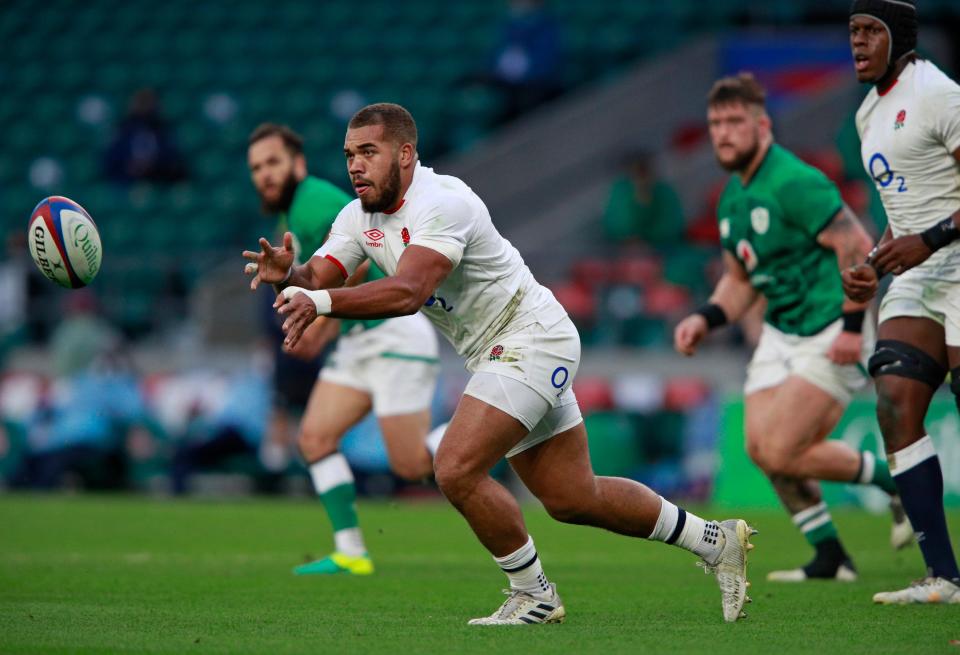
(901, 117)
(374, 237)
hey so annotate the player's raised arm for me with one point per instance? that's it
(730, 300)
(275, 265)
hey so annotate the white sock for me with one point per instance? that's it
(349, 541)
(524, 570)
(435, 437)
(868, 465)
(685, 529)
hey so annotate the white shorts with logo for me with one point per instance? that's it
(528, 373)
(779, 355)
(918, 294)
(395, 363)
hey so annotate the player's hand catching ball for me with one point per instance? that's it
(846, 348)
(860, 282)
(901, 254)
(300, 311)
(689, 333)
(271, 265)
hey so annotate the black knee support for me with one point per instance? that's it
(899, 358)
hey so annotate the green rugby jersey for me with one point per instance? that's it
(771, 227)
(316, 204)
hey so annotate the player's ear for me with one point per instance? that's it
(408, 155)
(300, 167)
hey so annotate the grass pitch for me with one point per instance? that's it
(101, 574)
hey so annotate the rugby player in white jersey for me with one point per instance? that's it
(435, 240)
(909, 127)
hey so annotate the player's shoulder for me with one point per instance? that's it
(443, 194)
(789, 169)
(931, 82)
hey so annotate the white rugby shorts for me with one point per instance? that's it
(916, 294)
(779, 355)
(395, 363)
(528, 373)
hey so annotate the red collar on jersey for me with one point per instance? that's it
(883, 92)
(397, 208)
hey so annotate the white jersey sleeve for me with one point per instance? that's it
(343, 247)
(946, 122)
(446, 227)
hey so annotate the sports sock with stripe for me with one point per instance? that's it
(916, 470)
(875, 471)
(817, 527)
(524, 570)
(684, 529)
(333, 482)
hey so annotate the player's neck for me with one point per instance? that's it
(885, 83)
(747, 174)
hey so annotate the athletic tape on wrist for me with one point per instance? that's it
(942, 234)
(713, 314)
(321, 298)
(853, 321)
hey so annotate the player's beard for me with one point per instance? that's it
(282, 203)
(389, 196)
(740, 163)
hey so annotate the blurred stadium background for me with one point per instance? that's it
(166, 345)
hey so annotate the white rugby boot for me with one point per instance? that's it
(927, 591)
(731, 568)
(901, 532)
(522, 608)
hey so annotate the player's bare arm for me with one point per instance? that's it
(903, 253)
(730, 300)
(861, 281)
(275, 265)
(847, 238)
(420, 271)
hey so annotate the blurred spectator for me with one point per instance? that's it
(82, 336)
(143, 147)
(14, 292)
(525, 64)
(641, 207)
(236, 427)
(78, 434)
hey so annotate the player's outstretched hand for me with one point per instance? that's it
(300, 311)
(271, 265)
(901, 254)
(860, 282)
(689, 333)
(846, 348)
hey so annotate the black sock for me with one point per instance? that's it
(830, 555)
(921, 490)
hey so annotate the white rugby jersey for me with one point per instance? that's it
(908, 136)
(488, 291)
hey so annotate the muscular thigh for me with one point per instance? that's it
(561, 464)
(404, 434)
(791, 416)
(479, 435)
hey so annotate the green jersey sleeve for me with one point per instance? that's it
(315, 206)
(809, 200)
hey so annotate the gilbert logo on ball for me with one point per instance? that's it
(64, 242)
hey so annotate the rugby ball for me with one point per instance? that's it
(64, 242)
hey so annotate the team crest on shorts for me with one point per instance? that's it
(405, 237)
(901, 118)
(495, 353)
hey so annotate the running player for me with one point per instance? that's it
(785, 231)
(435, 239)
(387, 366)
(909, 126)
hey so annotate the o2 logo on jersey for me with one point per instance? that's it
(559, 379)
(437, 300)
(883, 175)
(747, 255)
(760, 219)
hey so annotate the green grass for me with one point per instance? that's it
(126, 574)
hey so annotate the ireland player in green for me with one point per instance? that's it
(786, 235)
(388, 366)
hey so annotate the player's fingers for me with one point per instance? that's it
(288, 241)
(255, 282)
(251, 269)
(252, 256)
(265, 246)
